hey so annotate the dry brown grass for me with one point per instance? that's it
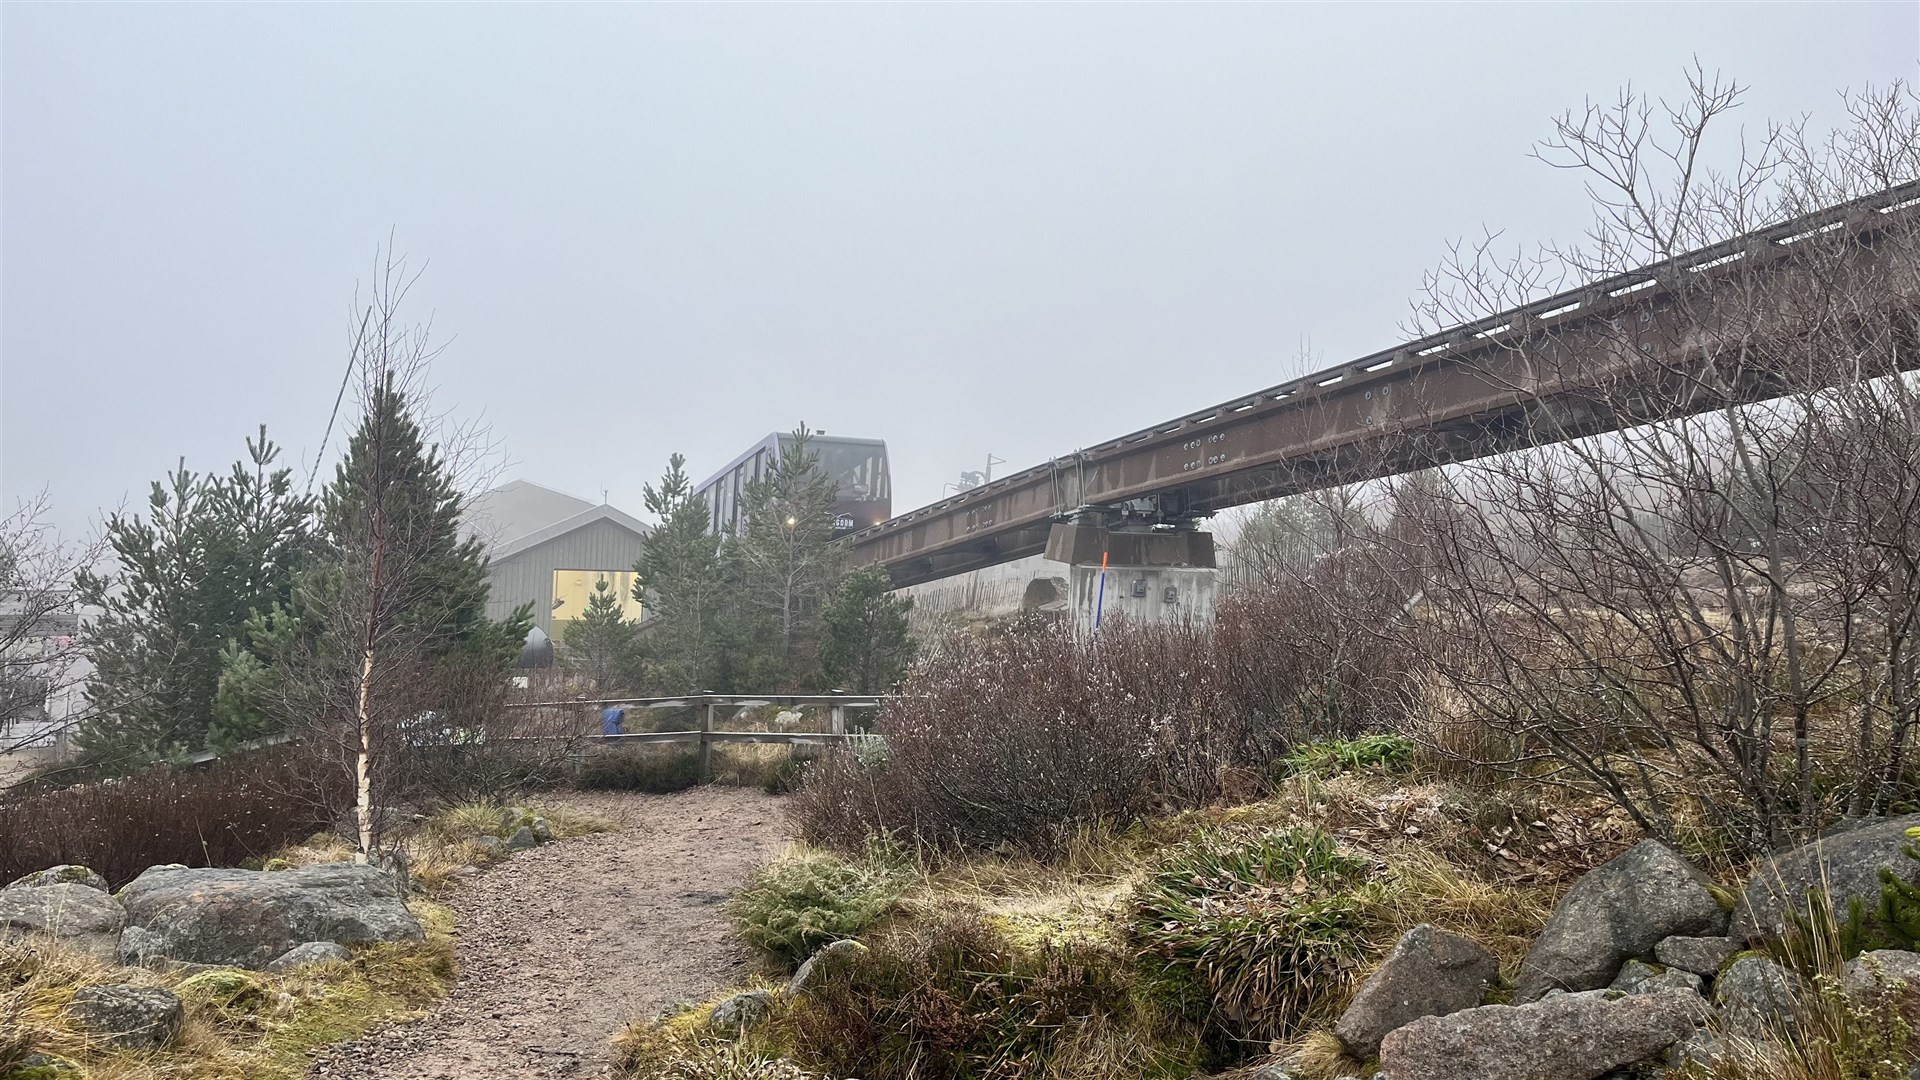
(265, 1036)
(682, 1047)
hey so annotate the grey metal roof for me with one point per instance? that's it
(603, 512)
(520, 515)
(517, 508)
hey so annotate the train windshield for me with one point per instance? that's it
(859, 471)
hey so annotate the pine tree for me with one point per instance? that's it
(385, 650)
(678, 583)
(866, 648)
(436, 580)
(601, 644)
(211, 552)
(783, 562)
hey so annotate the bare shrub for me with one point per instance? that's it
(1713, 616)
(1320, 654)
(222, 815)
(1015, 739)
(42, 660)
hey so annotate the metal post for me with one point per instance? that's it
(839, 719)
(706, 745)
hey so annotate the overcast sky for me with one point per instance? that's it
(965, 229)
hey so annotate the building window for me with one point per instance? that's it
(573, 588)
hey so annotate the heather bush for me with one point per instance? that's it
(220, 815)
(658, 772)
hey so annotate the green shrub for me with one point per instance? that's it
(659, 772)
(1254, 933)
(948, 998)
(1385, 753)
(794, 906)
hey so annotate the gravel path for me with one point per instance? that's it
(561, 945)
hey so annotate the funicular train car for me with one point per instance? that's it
(858, 468)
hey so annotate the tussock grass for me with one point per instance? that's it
(946, 995)
(1254, 933)
(239, 1025)
(1057, 965)
(448, 841)
(1320, 1055)
(773, 768)
(1421, 887)
(1328, 757)
(681, 1046)
(808, 899)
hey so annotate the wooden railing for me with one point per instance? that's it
(708, 733)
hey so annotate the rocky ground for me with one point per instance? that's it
(561, 945)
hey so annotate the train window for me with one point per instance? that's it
(858, 471)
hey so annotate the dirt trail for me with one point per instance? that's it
(561, 945)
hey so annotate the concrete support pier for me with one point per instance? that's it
(1150, 575)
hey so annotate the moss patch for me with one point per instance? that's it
(241, 1025)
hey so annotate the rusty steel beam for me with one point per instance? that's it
(1615, 353)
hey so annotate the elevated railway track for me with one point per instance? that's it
(1634, 348)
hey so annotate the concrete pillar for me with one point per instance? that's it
(1150, 576)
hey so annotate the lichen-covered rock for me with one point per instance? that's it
(78, 915)
(66, 874)
(133, 1017)
(741, 1011)
(141, 948)
(1700, 955)
(1698, 1051)
(1891, 975)
(1757, 996)
(489, 845)
(1846, 864)
(1577, 1036)
(829, 956)
(1618, 911)
(542, 830)
(1429, 973)
(1640, 977)
(248, 918)
(522, 839)
(311, 952)
(43, 1067)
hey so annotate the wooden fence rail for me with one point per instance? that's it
(707, 734)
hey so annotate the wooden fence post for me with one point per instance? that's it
(839, 719)
(579, 754)
(706, 745)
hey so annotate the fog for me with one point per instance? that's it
(968, 230)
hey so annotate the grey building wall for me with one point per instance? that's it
(527, 576)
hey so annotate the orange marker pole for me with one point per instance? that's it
(1100, 600)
